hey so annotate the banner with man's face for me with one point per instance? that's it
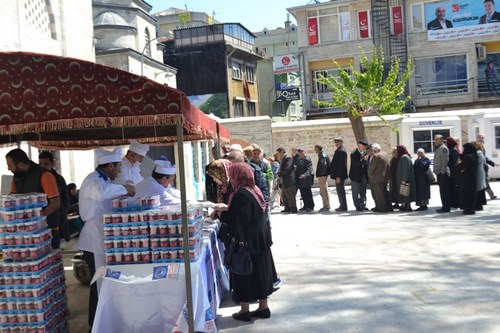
(459, 19)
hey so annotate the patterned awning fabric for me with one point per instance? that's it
(65, 103)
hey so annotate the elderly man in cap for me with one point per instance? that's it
(236, 153)
(259, 159)
(131, 173)
(338, 172)
(322, 171)
(305, 178)
(286, 172)
(161, 183)
(359, 176)
(379, 175)
(95, 197)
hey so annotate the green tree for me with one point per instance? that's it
(370, 91)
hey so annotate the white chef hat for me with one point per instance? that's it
(164, 167)
(108, 156)
(138, 148)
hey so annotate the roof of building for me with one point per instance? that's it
(110, 18)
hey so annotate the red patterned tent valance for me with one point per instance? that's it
(68, 103)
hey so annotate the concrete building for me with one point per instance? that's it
(279, 93)
(217, 68)
(126, 38)
(174, 18)
(115, 33)
(51, 27)
(449, 63)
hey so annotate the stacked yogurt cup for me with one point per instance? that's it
(151, 235)
(32, 281)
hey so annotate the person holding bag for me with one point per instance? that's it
(245, 214)
(406, 178)
(421, 169)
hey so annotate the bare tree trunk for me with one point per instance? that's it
(358, 127)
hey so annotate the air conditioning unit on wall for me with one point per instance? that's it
(481, 52)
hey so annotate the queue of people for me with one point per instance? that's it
(396, 182)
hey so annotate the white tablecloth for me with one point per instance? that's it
(152, 297)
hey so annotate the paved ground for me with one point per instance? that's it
(367, 272)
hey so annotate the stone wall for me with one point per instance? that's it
(307, 134)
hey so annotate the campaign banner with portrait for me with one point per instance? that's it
(460, 19)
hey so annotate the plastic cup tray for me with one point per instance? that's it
(31, 279)
(36, 266)
(175, 255)
(26, 252)
(15, 291)
(51, 318)
(128, 256)
(24, 239)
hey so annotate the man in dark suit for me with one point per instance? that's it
(442, 171)
(338, 172)
(379, 175)
(305, 179)
(286, 172)
(491, 15)
(358, 176)
(439, 22)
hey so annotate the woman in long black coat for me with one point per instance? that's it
(452, 145)
(246, 207)
(393, 181)
(404, 174)
(420, 167)
(467, 179)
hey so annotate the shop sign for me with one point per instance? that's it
(287, 94)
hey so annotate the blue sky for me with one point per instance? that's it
(255, 15)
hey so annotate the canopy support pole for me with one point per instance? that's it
(217, 142)
(185, 229)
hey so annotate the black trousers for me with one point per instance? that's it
(443, 181)
(340, 187)
(288, 197)
(89, 258)
(307, 197)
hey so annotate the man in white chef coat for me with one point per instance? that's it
(130, 172)
(161, 183)
(95, 196)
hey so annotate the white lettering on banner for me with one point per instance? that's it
(430, 123)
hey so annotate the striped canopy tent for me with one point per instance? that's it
(64, 103)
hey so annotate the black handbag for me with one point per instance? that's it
(237, 256)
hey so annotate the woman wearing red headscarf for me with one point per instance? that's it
(404, 174)
(246, 207)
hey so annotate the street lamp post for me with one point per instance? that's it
(148, 43)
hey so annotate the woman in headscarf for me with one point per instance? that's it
(246, 207)
(404, 174)
(393, 182)
(467, 179)
(218, 171)
(481, 176)
(420, 167)
(452, 145)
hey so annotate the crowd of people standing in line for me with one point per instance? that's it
(396, 181)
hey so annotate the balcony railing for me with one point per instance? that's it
(442, 88)
(486, 90)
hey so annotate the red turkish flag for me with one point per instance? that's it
(364, 31)
(397, 20)
(312, 30)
